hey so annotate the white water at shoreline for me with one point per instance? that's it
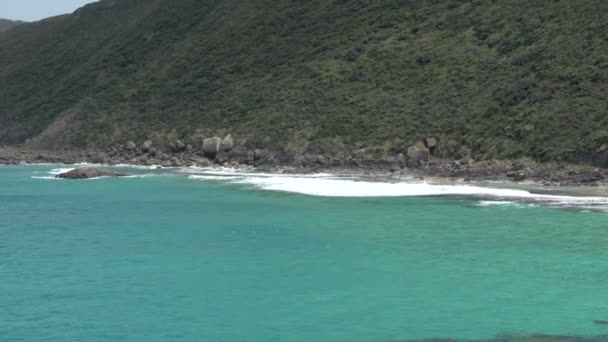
(344, 186)
(328, 185)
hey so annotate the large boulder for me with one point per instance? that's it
(418, 153)
(464, 152)
(130, 146)
(211, 146)
(152, 152)
(431, 144)
(241, 154)
(526, 131)
(146, 146)
(601, 157)
(179, 145)
(227, 143)
(89, 172)
(262, 155)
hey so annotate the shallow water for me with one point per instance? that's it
(164, 256)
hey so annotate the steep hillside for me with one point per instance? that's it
(6, 24)
(506, 78)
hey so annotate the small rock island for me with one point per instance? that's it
(89, 172)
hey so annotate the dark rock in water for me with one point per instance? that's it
(89, 172)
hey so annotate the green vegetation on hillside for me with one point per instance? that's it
(506, 78)
(6, 24)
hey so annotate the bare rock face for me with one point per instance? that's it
(146, 146)
(227, 143)
(431, 144)
(89, 172)
(601, 157)
(418, 152)
(130, 146)
(212, 146)
(179, 145)
(464, 154)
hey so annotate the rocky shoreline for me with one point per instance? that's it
(221, 152)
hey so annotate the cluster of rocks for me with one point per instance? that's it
(428, 148)
(426, 157)
(201, 152)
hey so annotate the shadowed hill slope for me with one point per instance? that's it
(6, 24)
(506, 78)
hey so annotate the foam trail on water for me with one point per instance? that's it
(358, 188)
(60, 170)
(46, 177)
(329, 185)
(140, 167)
(334, 186)
(211, 177)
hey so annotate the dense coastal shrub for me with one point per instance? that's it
(375, 74)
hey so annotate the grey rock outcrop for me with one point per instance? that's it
(464, 154)
(601, 157)
(262, 155)
(418, 153)
(146, 146)
(130, 146)
(211, 146)
(431, 144)
(227, 143)
(517, 176)
(526, 131)
(89, 172)
(241, 155)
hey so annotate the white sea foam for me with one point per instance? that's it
(147, 175)
(494, 203)
(337, 186)
(211, 177)
(505, 204)
(46, 177)
(140, 167)
(224, 171)
(329, 185)
(60, 170)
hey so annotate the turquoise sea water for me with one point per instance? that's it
(167, 258)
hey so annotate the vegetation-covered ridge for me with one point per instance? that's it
(506, 79)
(6, 24)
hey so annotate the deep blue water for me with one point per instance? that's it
(171, 259)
